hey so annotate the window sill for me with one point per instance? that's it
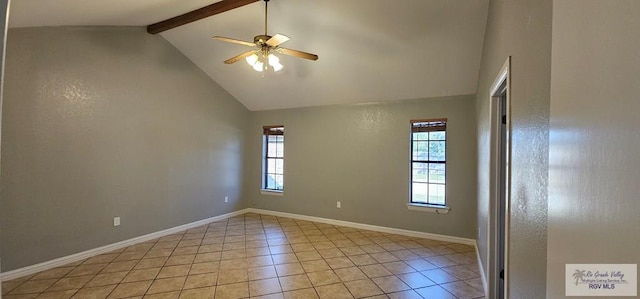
(428, 208)
(271, 192)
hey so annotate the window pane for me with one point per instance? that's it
(271, 166)
(437, 151)
(279, 181)
(437, 166)
(279, 166)
(436, 194)
(439, 135)
(419, 172)
(421, 136)
(271, 150)
(419, 192)
(436, 175)
(420, 150)
(422, 146)
(280, 149)
(270, 181)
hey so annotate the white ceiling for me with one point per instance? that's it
(370, 50)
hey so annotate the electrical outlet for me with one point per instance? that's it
(116, 221)
(338, 204)
(226, 199)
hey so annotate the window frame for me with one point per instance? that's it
(433, 125)
(268, 131)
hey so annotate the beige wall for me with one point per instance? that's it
(99, 122)
(594, 139)
(520, 29)
(359, 155)
(103, 122)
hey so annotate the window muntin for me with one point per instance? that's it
(428, 161)
(273, 158)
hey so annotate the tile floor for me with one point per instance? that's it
(259, 256)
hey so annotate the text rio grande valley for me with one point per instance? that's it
(603, 280)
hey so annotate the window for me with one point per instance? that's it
(273, 158)
(428, 161)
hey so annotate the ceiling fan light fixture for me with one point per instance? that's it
(251, 60)
(258, 66)
(274, 62)
(273, 59)
(277, 67)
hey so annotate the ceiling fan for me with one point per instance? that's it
(265, 48)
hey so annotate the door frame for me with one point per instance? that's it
(502, 82)
(4, 25)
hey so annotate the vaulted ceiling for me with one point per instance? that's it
(370, 50)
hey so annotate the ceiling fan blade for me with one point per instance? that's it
(277, 40)
(239, 57)
(235, 41)
(297, 53)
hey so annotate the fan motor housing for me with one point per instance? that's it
(261, 39)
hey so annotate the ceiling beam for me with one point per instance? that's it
(192, 16)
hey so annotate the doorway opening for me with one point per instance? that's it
(499, 208)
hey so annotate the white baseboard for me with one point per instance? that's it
(382, 229)
(482, 273)
(9, 275)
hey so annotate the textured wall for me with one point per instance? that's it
(359, 155)
(103, 122)
(521, 29)
(594, 140)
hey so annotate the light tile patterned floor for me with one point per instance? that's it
(259, 256)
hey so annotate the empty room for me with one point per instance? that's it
(319, 149)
